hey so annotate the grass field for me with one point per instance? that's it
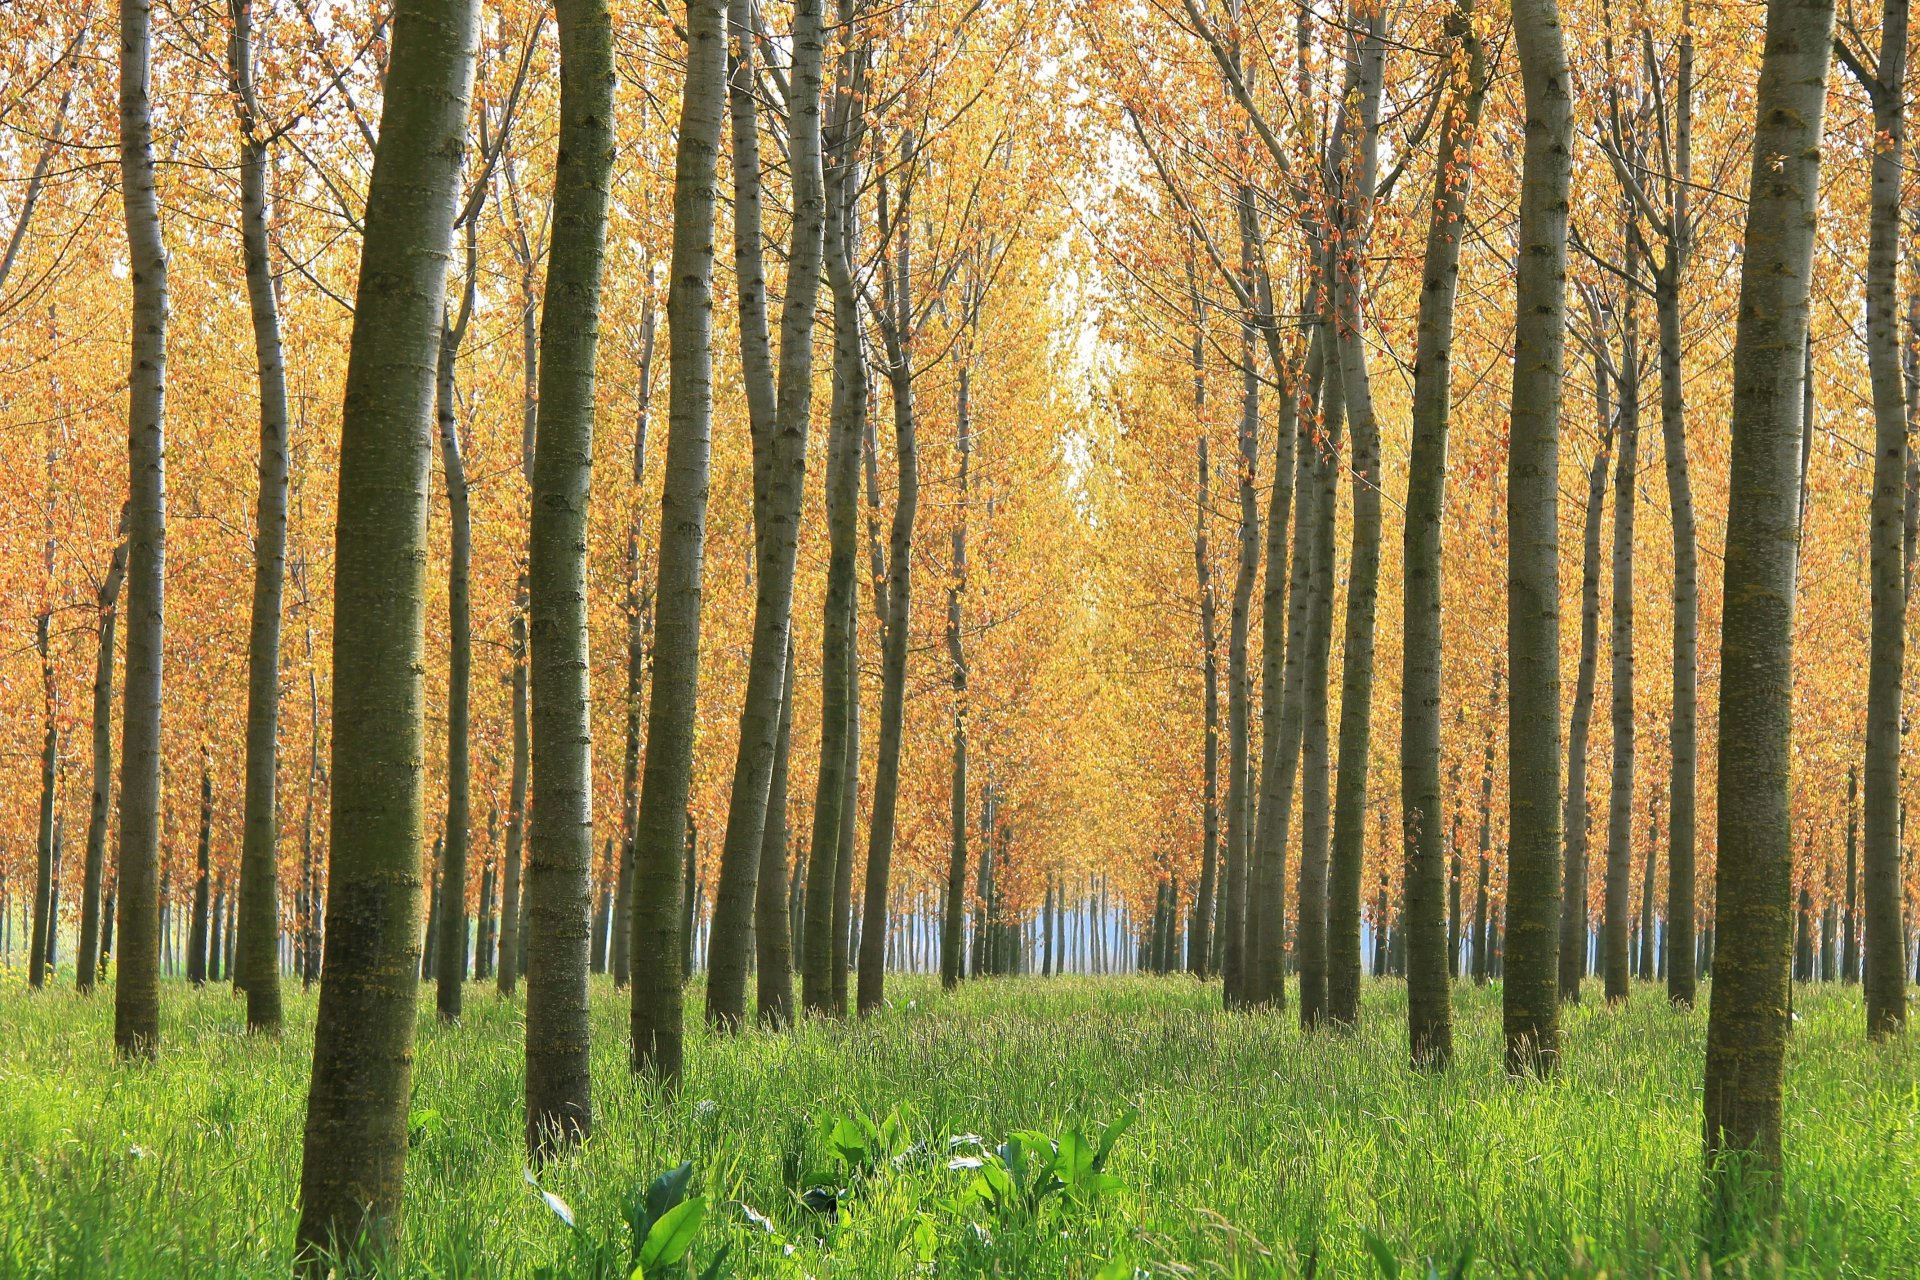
(1256, 1151)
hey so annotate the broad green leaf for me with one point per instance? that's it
(1111, 1134)
(663, 1193)
(672, 1233)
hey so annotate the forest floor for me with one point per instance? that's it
(1256, 1150)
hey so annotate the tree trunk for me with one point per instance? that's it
(847, 416)
(1530, 1002)
(1203, 920)
(511, 911)
(1644, 960)
(1315, 662)
(1426, 916)
(660, 832)
(43, 921)
(1850, 946)
(560, 838)
(1620, 801)
(639, 610)
(1748, 1020)
(450, 964)
(356, 1133)
(1429, 1011)
(197, 934)
(780, 419)
(772, 924)
(136, 991)
(1299, 456)
(1575, 820)
(215, 919)
(898, 334)
(1481, 970)
(92, 957)
(1240, 812)
(1683, 732)
(842, 900)
(258, 945)
(1884, 976)
(952, 939)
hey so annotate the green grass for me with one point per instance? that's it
(1257, 1151)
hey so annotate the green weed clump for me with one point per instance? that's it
(1028, 1127)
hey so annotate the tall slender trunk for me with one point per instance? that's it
(1626, 467)
(309, 875)
(1884, 976)
(639, 611)
(216, 919)
(1427, 926)
(1747, 1020)
(1530, 1001)
(1315, 662)
(772, 924)
(197, 931)
(450, 964)
(1239, 681)
(781, 416)
(560, 838)
(44, 924)
(259, 912)
(1297, 453)
(952, 939)
(660, 833)
(898, 335)
(136, 991)
(1200, 959)
(1430, 1020)
(1643, 961)
(1481, 969)
(91, 958)
(1575, 820)
(356, 1133)
(841, 141)
(1850, 922)
(842, 897)
(1683, 730)
(511, 910)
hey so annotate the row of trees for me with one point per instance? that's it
(1049, 246)
(1278, 249)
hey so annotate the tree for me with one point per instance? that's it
(1423, 550)
(1426, 934)
(1530, 1001)
(45, 922)
(661, 827)
(1619, 925)
(197, 942)
(258, 948)
(106, 602)
(773, 921)
(136, 991)
(511, 941)
(839, 696)
(356, 1134)
(1747, 1019)
(1884, 974)
(560, 844)
(781, 415)
(1575, 820)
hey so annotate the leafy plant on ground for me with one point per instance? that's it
(662, 1223)
(1031, 1172)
